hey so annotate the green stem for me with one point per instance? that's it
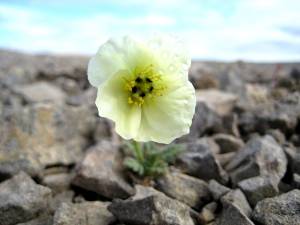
(138, 151)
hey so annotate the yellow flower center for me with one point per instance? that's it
(144, 84)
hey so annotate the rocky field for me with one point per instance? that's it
(60, 164)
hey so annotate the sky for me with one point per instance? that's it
(252, 30)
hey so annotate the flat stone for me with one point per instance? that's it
(217, 190)
(41, 135)
(189, 190)
(219, 101)
(228, 143)
(101, 171)
(57, 182)
(21, 199)
(41, 91)
(283, 210)
(198, 160)
(262, 156)
(151, 207)
(258, 188)
(86, 213)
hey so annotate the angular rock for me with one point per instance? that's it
(207, 213)
(41, 91)
(262, 156)
(231, 214)
(283, 210)
(101, 171)
(228, 143)
(59, 198)
(282, 115)
(198, 160)
(258, 188)
(217, 190)
(42, 135)
(205, 120)
(225, 158)
(86, 213)
(236, 209)
(151, 207)
(189, 190)
(237, 198)
(21, 199)
(219, 101)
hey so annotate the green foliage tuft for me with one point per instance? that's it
(148, 160)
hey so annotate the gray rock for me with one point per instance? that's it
(41, 91)
(293, 155)
(194, 192)
(283, 210)
(42, 135)
(101, 171)
(296, 180)
(59, 198)
(44, 219)
(207, 213)
(151, 207)
(225, 158)
(261, 156)
(277, 135)
(258, 188)
(205, 120)
(219, 101)
(217, 190)
(57, 182)
(236, 209)
(21, 199)
(228, 143)
(231, 214)
(198, 160)
(237, 198)
(86, 213)
(282, 115)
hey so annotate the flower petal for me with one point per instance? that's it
(116, 54)
(173, 59)
(112, 103)
(170, 116)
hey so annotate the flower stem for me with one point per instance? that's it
(138, 151)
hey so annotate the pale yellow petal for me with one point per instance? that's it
(170, 116)
(112, 103)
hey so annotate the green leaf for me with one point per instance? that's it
(134, 165)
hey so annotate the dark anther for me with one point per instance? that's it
(142, 94)
(151, 89)
(134, 89)
(148, 80)
(138, 80)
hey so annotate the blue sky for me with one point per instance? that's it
(256, 30)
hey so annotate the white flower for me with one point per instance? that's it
(143, 87)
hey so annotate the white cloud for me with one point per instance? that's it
(251, 30)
